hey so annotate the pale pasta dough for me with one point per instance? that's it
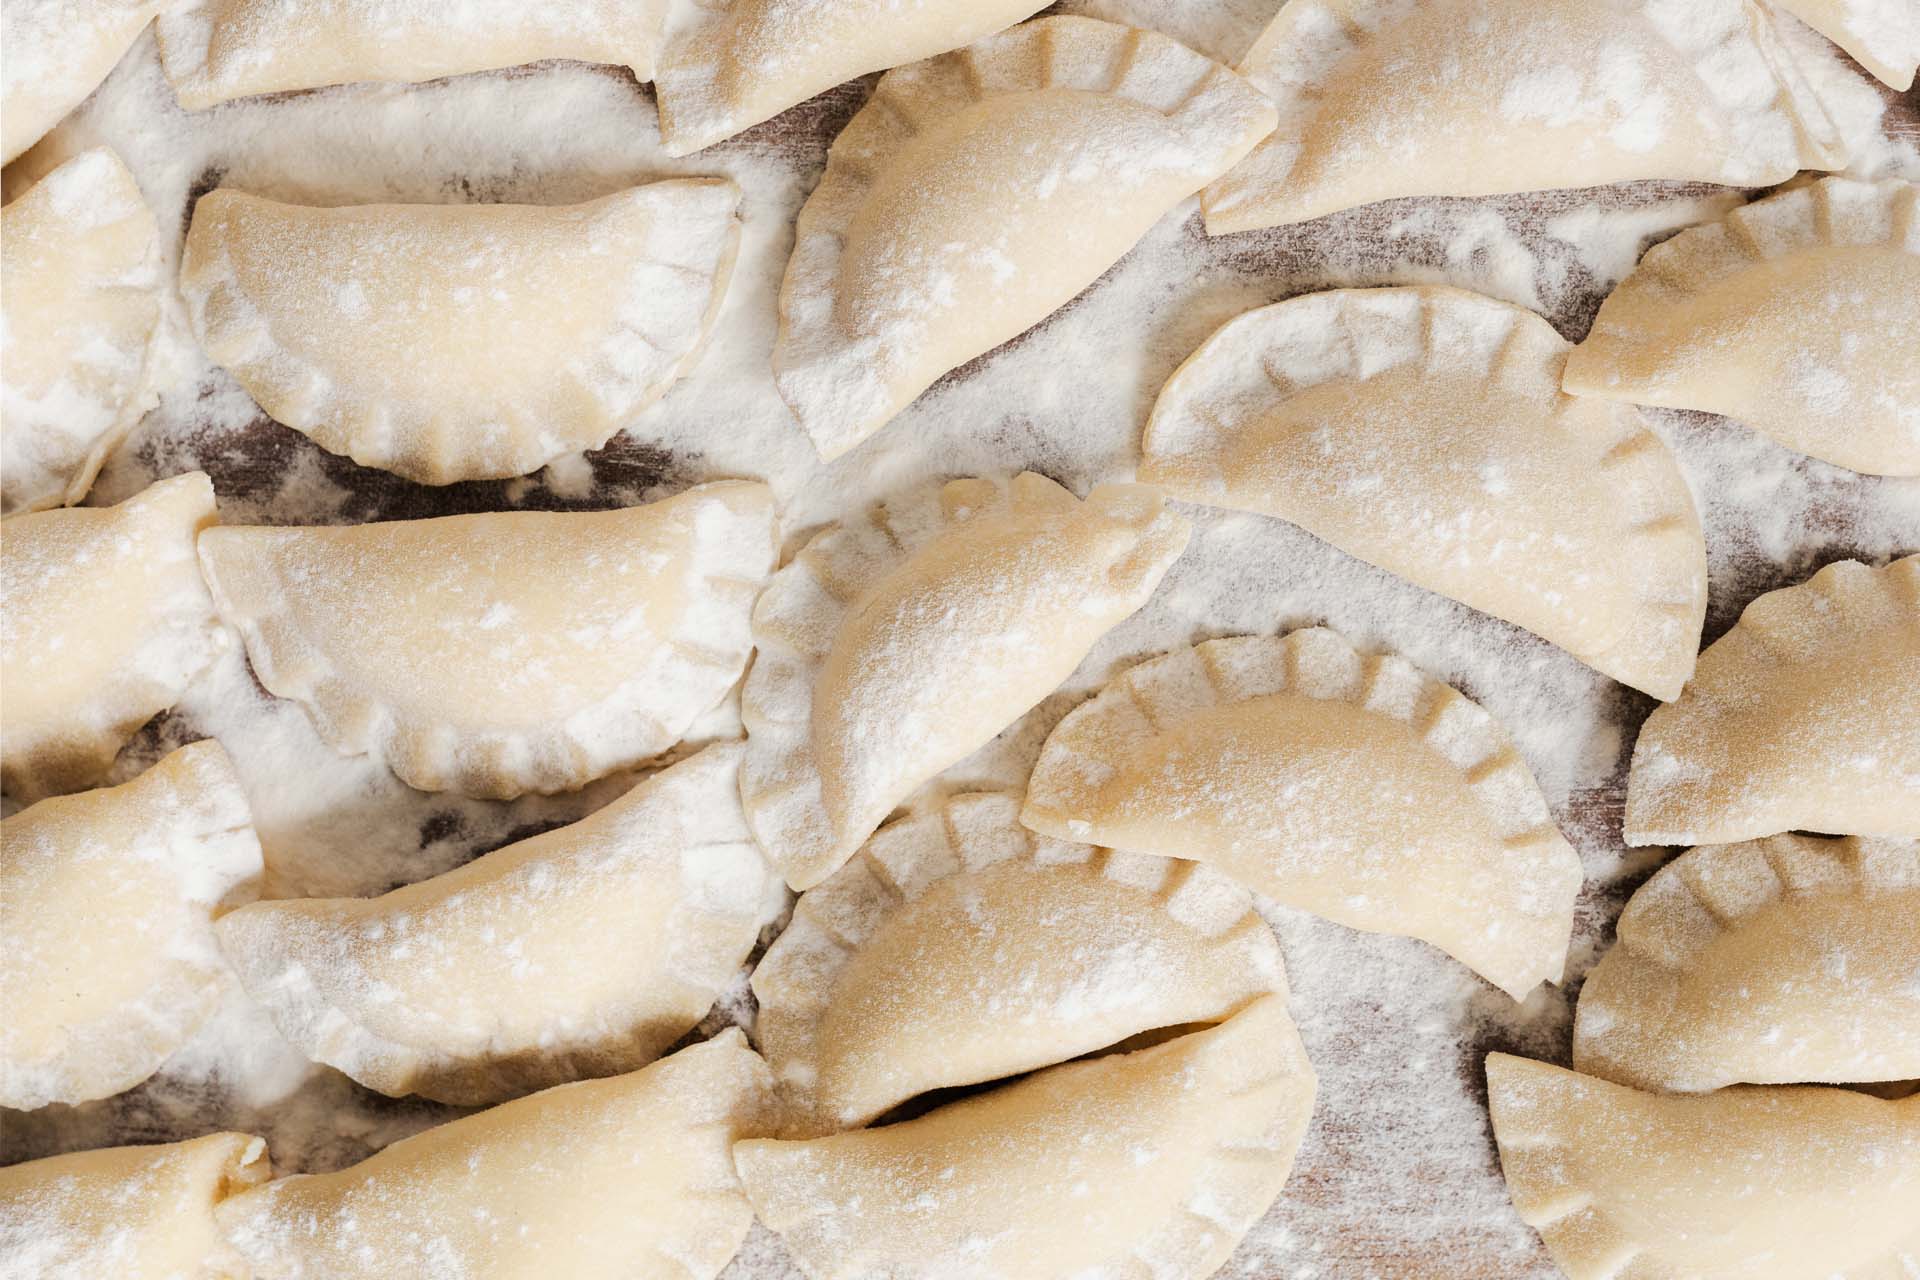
(81, 256)
(585, 951)
(958, 948)
(977, 193)
(104, 621)
(458, 342)
(1147, 1163)
(1382, 98)
(53, 53)
(1804, 717)
(628, 1178)
(1798, 314)
(1743, 1184)
(900, 641)
(452, 650)
(108, 899)
(1779, 961)
(1424, 430)
(1882, 35)
(1356, 787)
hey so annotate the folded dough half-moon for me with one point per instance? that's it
(108, 899)
(129, 1213)
(460, 342)
(959, 948)
(977, 193)
(1882, 35)
(902, 640)
(1768, 1183)
(1787, 960)
(81, 256)
(104, 622)
(1798, 314)
(732, 63)
(585, 951)
(628, 1178)
(1381, 98)
(52, 55)
(1147, 1163)
(1424, 430)
(1356, 787)
(1804, 717)
(510, 651)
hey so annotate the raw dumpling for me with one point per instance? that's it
(460, 342)
(733, 63)
(898, 643)
(104, 621)
(1799, 315)
(108, 899)
(221, 49)
(1882, 35)
(1382, 98)
(1804, 717)
(1780, 961)
(977, 193)
(129, 1213)
(1358, 788)
(958, 948)
(1147, 1163)
(1424, 430)
(53, 53)
(81, 257)
(506, 652)
(1744, 1184)
(585, 951)
(628, 1178)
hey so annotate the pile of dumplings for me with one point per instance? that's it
(1020, 1037)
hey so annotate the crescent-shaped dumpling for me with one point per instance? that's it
(1744, 1184)
(460, 342)
(1798, 314)
(959, 948)
(130, 1213)
(1358, 788)
(216, 50)
(628, 1178)
(977, 193)
(1804, 717)
(453, 650)
(1424, 430)
(1381, 98)
(1781, 961)
(52, 55)
(108, 899)
(902, 640)
(81, 256)
(581, 952)
(1882, 35)
(1147, 1163)
(104, 622)
(729, 64)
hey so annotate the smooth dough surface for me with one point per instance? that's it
(1424, 430)
(958, 948)
(1151, 1163)
(628, 1178)
(1804, 717)
(104, 622)
(581, 952)
(108, 899)
(980, 191)
(729, 64)
(1789, 960)
(460, 342)
(1356, 787)
(1882, 35)
(53, 53)
(902, 640)
(129, 1213)
(1380, 99)
(1798, 315)
(1750, 1183)
(451, 649)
